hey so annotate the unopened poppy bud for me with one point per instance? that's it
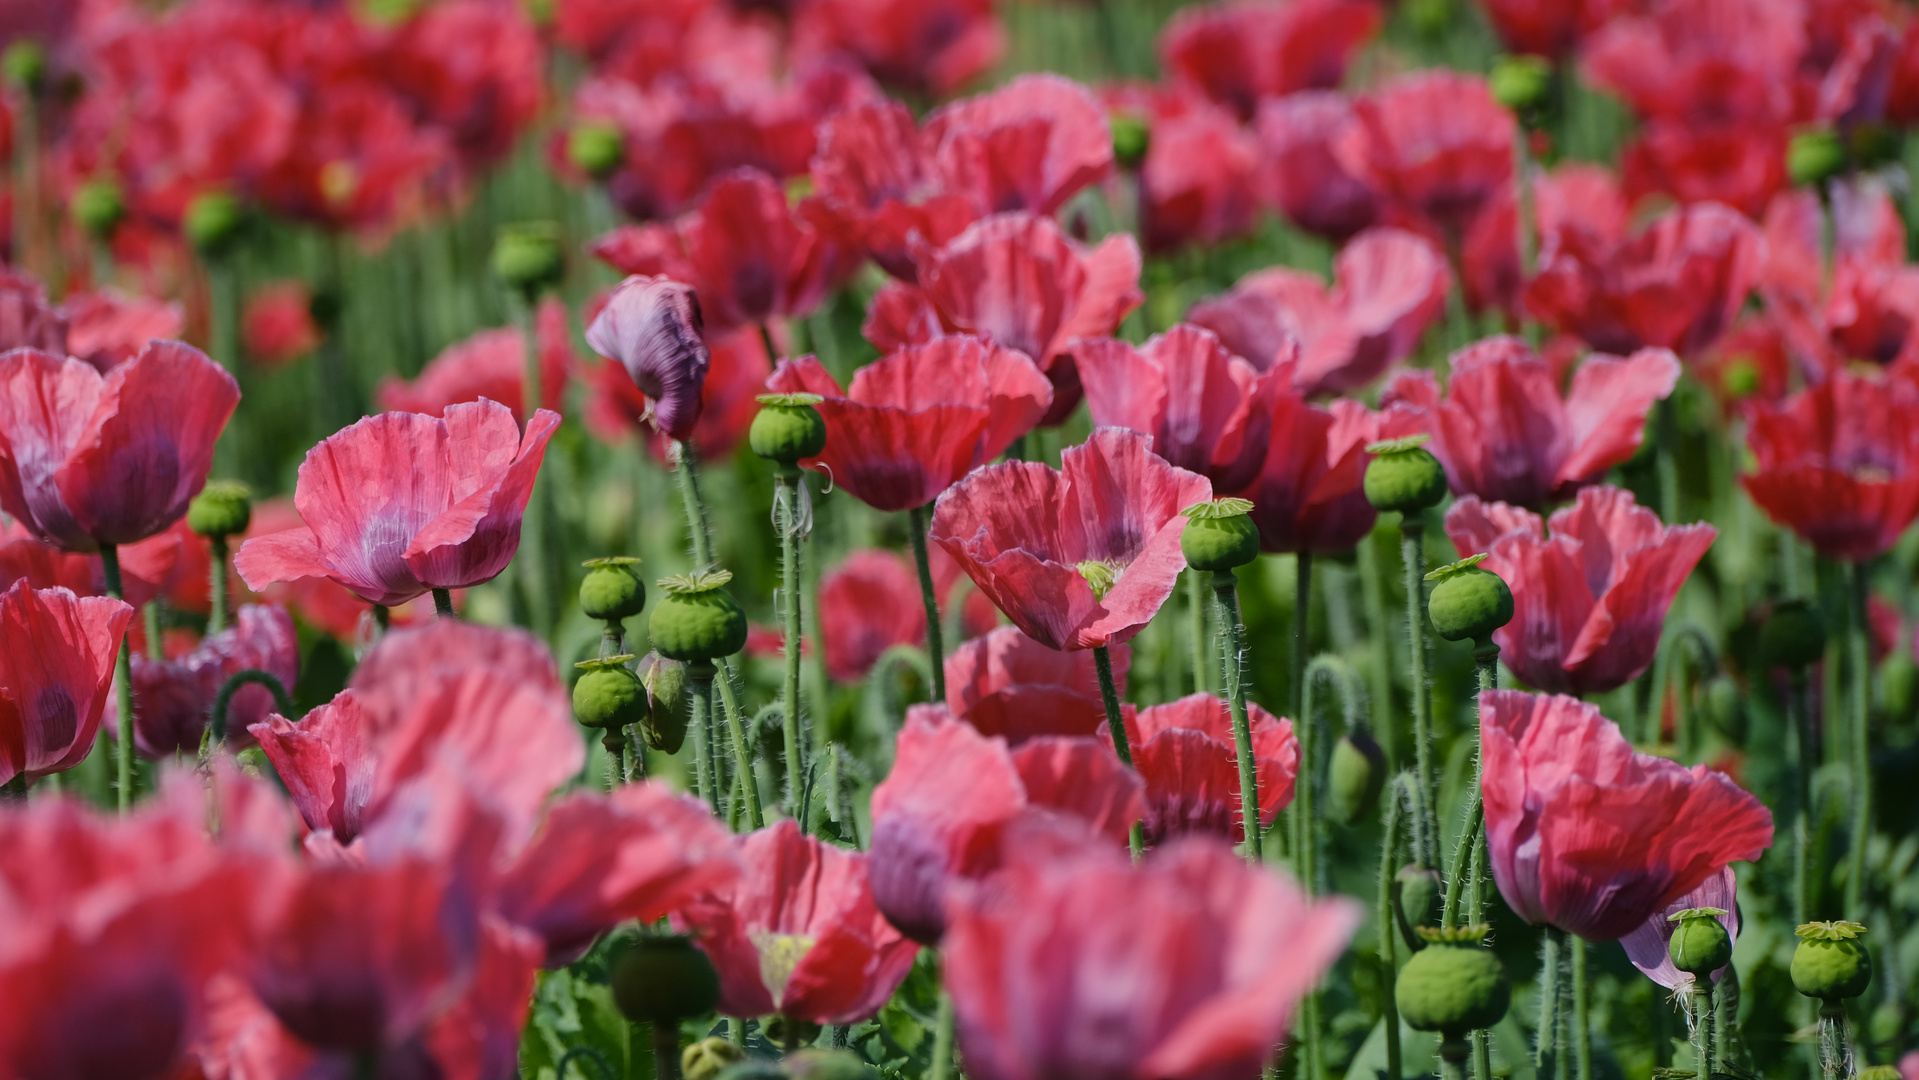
(607, 695)
(1831, 963)
(612, 589)
(223, 508)
(1468, 602)
(1404, 476)
(528, 257)
(816, 1064)
(698, 621)
(1813, 156)
(1455, 985)
(1430, 18)
(25, 64)
(652, 326)
(1700, 944)
(1724, 706)
(596, 149)
(1219, 535)
(789, 427)
(708, 1058)
(1417, 893)
(99, 207)
(1898, 677)
(213, 222)
(665, 979)
(1520, 81)
(665, 725)
(1794, 636)
(1131, 139)
(1355, 776)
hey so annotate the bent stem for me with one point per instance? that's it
(1412, 552)
(1116, 723)
(122, 680)
(1861, 748)
(787, 484)
(935, 646)
(216, 729)
(1232, 662)
(742, 758)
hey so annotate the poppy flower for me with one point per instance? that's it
(1185, 752)
(107, 328)
(1590, 601)
(1677, 285)
(1200, 181)
(1216, 954)
(1302, 173)
(173, 699)
(1029, 145)
(929, 46)
(1006, 684)
(1388, 287)
(916, 421)
(653, 328)
(871, 602)
(1549, 28)
(1700, 60)
(88, 459)
(1239, 52)
(148, 569)
(359, 160)
(1434, 144)
(1506, 434)
(1838, 463)
(954, 794)
(1307, 494)
(798, 933)
(277, 325)
(1648, 945)
(474, 69)
(491, 364)
(56, 667)
(1027, 535)
(27, 319)
(1017, 280)
(1590, 837)
(455, 524)
(878, 173)
(616, 409)
(1749, 361)
(317, 602)
(1739, 163)
(1869, 310)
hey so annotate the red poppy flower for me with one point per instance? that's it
(929, 46)
(879, 174)
(1026, 535)
(1590, 837)
(1302, 172)
(1838, 463)
(1549, 28)
(945, 810)
(1029, 145)
(148, 569)
(277, 326)
(1434, 143)
(173, 699)
(88, 459)
(56, 666)
(1239, 52)
(27, 320)
(1200, 181)
(1649, 945)
(917, 420)
(474, 68)
(1506, 434)
(1215, 954)
(1677, 285)
(799, 934)
(1701, 59)
(491, 364)
(1307, 495)
(1184, 751)
(107, 328)
(1004, 683)
(1739, 163)
(1869, 310)
(1749, 361)
(1388, 286)
(455, 522)
(871, 602)
(1590, 601)
(360, 161)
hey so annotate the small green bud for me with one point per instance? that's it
(223, 508)
(665, 726)
(1355, 776)
(1468, 602)
(528, 257)
(596, 149)
(25, 64)
(1831, 963)
(1794, 636)
(664, 979)
(1725, 707)
(213, 223)
(1813, 156)
(1700, 944)
(1404, 476)
(1417, 893)
(1430, 18)
(612, 589)
(1132, 138)
(99, 207)
(607, 695)
(1454, 986)
(788, 428)
(698, 621)
(1219, 535)
(708, 1058)
(1520, 81)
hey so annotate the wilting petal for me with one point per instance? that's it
(1648, 946)
(652, 326)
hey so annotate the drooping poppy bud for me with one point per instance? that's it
(1355, 776)
(1404, 475)
(1831, 963)
(1701, 944)
(788, 428)
(1219, 535)
(1455, 985)
(1468, 602)
(653, 327)
(664, 978)
(699, 621)
(612, 588)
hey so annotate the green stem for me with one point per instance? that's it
(1412, 551)
(1546, 1050)
(699, 697)
(686, 471)
(943, 1039)
(1302, 622)
(1196, 613)
(1372, 577)
(223, 702)
(122, 680)
(150, 621)
(1582, 1007)
(666, 1051)
(1453, 1053)
(217, 583)
(1799, 716)
(1116, 723)
(1486, 667)
(742, 758)
(787, 483)
(935, 647)
(1861, 745)
(1232, 662)
(1703, 1015)
(1383, 912)
(443, 602)
(1666, 433)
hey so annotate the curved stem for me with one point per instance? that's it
(742, 758)
(443, 602)
(1232, 662)
(223, 702)
(1196, 611)
(122, 680)
(1383, 913)
(1412, 551)
(787, 483)
(1861, 746)
(935, 647)
(217, 586)
(1116, 723)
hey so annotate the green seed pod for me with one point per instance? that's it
(1813, 156)
(1831, 963)
(1794, 636)
(1404, 476)
(1700, 944)
(708, 1058)
(1355, 776)
(1417, 893)
(213, 223)
(788, 428)
(99, 207)
(25, 64)
(803, 1032)
(1455, 986)
(223, 508)
(596, 149)
(1520, 81)
(665, 726)
(1898, 679)
(528, 257)
(1132, 138)
(1740, 378)
(607, 695)
(1219, 535)
(698, 621)
(1468, 602)
(1725, 707)
(813, 1064)
(612, 589)
(1878, 1072)
(665, 979)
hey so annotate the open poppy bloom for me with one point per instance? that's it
(1590, 837)
(930, 46)
(1739, 163)
(1240, 52)
(1006, 684)
(491, 364)
(1590, 601)
(1037, 541)
(652, 327)
(1700, 60)
(173, 699)
(27, 319)
(1200, 180)
(1506, 434)
(877, 172)
(1029, 145)
(917, 420)
(88, 459)
(1388, 287)
(1184, 750)
(1302, 172)
(1435, 145)
(400, 503)
(1869, 310)
(1549, 28)
(872, 602)
(56, 669)
(1649, 945)
(1308, 493)
(1189, 966)
(107, 328)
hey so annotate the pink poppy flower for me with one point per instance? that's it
(107, 328)
(1307, 495)
(878, 173)
(1200, 181)
(1739, 164)
(1433, 143)
(871, 602)
(916, 421)
(1239, 52)
(491, 364)
(1185, 752)
(929, 46)
(1549, 28)
(1215, 954)
(1648, 945)
(27, 320)
(1590, 601)
(1302, 173)
(1701, 59)
(1005, 684)
(56, 668)
(454, 525)
(616, 409)
(1388, 287)
(1029, 145)
(277, 325)
(148, 569)
(317, 602)
(1506, 434)
(1024, 532)
(1869, 310)
(475, 69)
(1590, 837)
(88, 459)
(173, 699)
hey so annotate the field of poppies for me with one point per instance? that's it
(959, 540)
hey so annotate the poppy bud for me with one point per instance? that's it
(1724, 707)
(665, 979)
(1794, 636)
(1131, 139)
(1417, 892)
(213, 223)
(223, 508)
(528, 257)
(25, 64)
(612, 589)
(607, 695)
(99, 207)
(708, 1058)
(1430, 18)
(1830, 963)
(1468, 602)
(1220, 535)
(1813, 156)
(1404, 476)
(1356, 774)
(1700, 945)
(1455, 986)
(788, 428)
(1898, 677)
(652, 327)
(1520, 82)
(665, 725)
(698, 621)
(596, 149)
(813, 1064)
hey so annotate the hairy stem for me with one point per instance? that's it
(1412, 550)
(699, 696)
(935, 647)
(1116, 723)
(1232, 663)
(1388, 947)
(742, 757)
(1546, 1050)
(788, 483)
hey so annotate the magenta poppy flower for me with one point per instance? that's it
(1237, 53)
(1701, 60)
(871, 602)
(1736, 162)
(107, 328)
(1506, 434)
(475, 69)
(1590, 837)
(1307, 495)
(1590, 600)
(1185, 752)
(401, 503)
(1028, 536)
(88, 459)
(1302, 173)
(653, 328)
(1388, 286)
(915, 421)
(929, 46)
(1435, 144)
(1076, 963)
(491, 364)
(56, 668)
(1869, 309)
(1649, 944)
(1006, 684)
(1029, 145)
(173, 699)
(878, 173)
(27, 319)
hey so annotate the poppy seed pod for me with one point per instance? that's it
(1468, 602)
(698, 621)
(1455, 985)
(789, 427)
(1831, 963)
(1356, 774)
(1700, 945)
(1132, 138)
(24, 64)
(1416, 896)
(1794, 636)
(528, 257)
(664, 979)
(607, 695)
(1219, 535)
(1404, 476)
(223, 508)
(612, 589)
(596, 149)
(708, 1058)
(213, 222)
(99, 207)
(1813, 156)
(665, 725)
(1520, 81)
